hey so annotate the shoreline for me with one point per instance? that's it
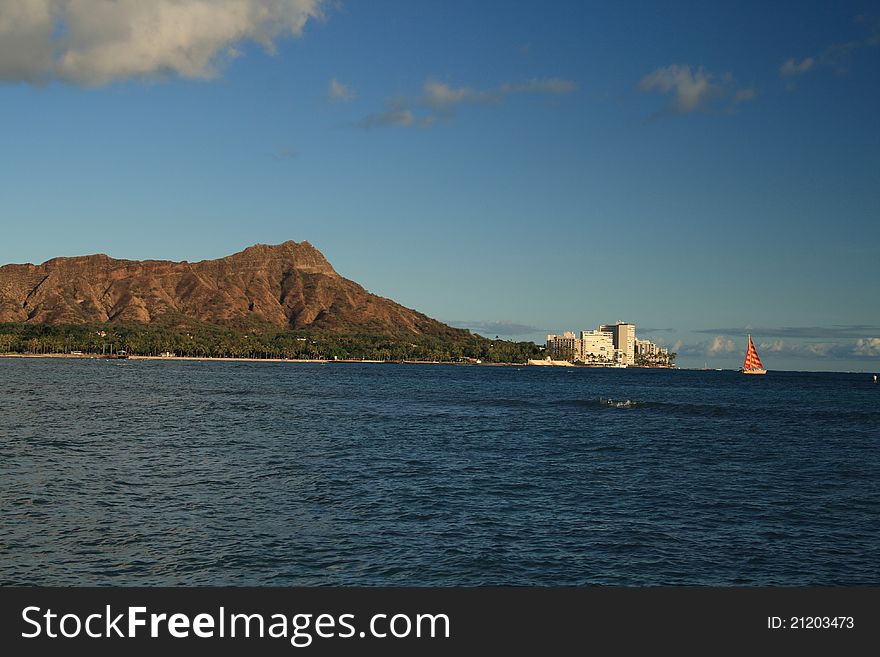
(554, 365)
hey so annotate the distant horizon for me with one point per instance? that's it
(721, 352)
(511, 168)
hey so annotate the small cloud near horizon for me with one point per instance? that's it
(869, 347)
(861, 348)
(723, 346)
(718, 346)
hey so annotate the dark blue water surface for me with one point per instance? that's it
(159, 472)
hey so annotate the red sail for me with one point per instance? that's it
(752, 361)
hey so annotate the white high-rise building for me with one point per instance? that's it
(646, 348)
(624, 338)
(597, 346)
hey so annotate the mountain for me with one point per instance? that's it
(287, 285)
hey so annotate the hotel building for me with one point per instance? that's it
(624, 339)
(597, 346)
(564, 347)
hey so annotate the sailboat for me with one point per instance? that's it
(752, 364)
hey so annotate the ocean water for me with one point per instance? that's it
(227, 473)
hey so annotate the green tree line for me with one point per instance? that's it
(207, 340)
(656, 360)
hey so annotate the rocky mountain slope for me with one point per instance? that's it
(287, 285)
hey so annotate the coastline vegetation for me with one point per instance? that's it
(656, 360)
(198, 339)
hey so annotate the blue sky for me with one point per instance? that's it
(516, 167)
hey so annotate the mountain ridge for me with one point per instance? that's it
(288, 285)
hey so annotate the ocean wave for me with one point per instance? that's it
(619, 403)
(604, 402)
(673, 408)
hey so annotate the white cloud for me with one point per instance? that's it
(695, 90)
(786, 348)
(94, 42)
(25, 39)
(439, 100)
(440, 95)
(775, 346)
(721, 345)
(863, 347)
(691, 89)
(792, 67)
(868, 347)
(718, 345)
(819, 348)
(338, 92)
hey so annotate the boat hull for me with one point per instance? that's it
(753, 371)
